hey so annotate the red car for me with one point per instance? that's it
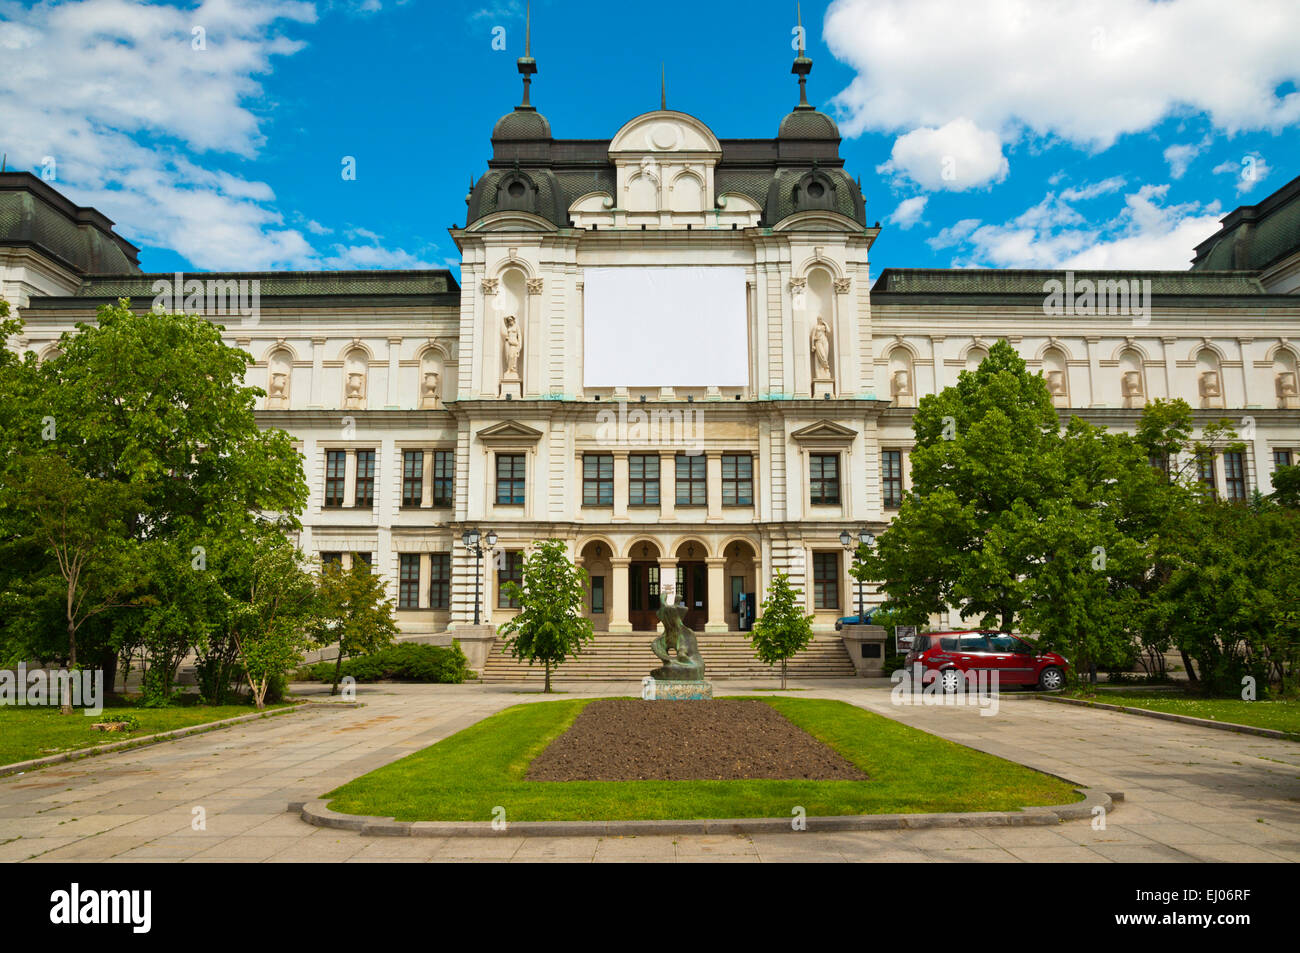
(1016, 661)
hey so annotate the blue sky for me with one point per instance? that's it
(1096, 133)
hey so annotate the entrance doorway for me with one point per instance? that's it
(643, 596)
(693, 589)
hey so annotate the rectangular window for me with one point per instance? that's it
(597, 479)
(737, 479)
(1234, 476)
(1281, 458)
(597, 595)
(408, 588)
(1160, 462)
(643, 479)
(365, 478)
(439, 580)
(737, 589)
(824, 481)
(366, 558)
(826, 580)
(412, 477)
(510, 478)
(1205, 473)
(336, 464)
(692, 484)
(331, 559)
(512, 571)
(891, 478)
(444, 470)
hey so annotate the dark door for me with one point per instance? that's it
(643, 596)
(693, 584)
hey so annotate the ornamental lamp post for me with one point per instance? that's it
(865, 538)
(471, 538)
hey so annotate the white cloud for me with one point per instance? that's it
(1086, 72)
(908, 212)
(1180, 156)
(1051, 234)
(955, 157)
(1250, 170)
(116, 92)
(1104, 187)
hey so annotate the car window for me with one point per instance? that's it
(1024, 648)
(920, 643)
(974, 643)
(1006, 643)
(948, 644)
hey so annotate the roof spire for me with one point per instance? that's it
(802, 64)
(526, 65)
(663, 86)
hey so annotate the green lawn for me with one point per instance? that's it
(27, 733)
(462, 778)
(1278, 715)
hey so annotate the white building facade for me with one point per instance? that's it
(425, 408)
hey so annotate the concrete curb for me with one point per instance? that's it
(1169, 716)
(18, 767)
(317, 813)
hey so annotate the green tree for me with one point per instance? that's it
(551, 625)
(782, 631)
(80, 523)
(1286, 486)
(984, 446)
(354, 611)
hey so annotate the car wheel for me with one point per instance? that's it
(1051, 678)
(950, 681)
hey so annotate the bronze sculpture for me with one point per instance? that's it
(687, 666)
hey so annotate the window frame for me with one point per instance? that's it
(366, 501)
(821, 560)
(440, 581)
(597, 479)
(1234, 476)
(335, 481)
(816, 482)
(412, 483)
(512, 571)
(444, 478)
(691, 481)
(891, 480)
(408, 587)
(736, 481)
(644, 482)
(516, 479)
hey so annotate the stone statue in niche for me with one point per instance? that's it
(430, 389)
(821, 350)
(1286, 385)
(1209, 384)
(1056, 383)
(902, 383)
(277, 392)
(513, 342)
(354, 395)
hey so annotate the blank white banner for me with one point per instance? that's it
(665, 327)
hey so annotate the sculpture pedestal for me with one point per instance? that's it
(512, 387)
(654, 689)
(823, 387)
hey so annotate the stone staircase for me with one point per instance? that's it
(726, 655)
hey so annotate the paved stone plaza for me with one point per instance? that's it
(1192, 793)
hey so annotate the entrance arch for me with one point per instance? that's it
(643, 574)
(596, 556)
(740, 575)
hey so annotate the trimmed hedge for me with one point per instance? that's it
(404, 662)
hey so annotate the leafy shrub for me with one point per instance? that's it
(404, 662)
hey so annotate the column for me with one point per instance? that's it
(317, 372)
(349, 477)
(936, 353)
(1246, 365)
(667, 487)
(426, 479)
(620, 485)
(718, 595)
(618, 617)
(668, 570)
(394, 354)
(426, 574)
(1171, 362)
(1094, 371)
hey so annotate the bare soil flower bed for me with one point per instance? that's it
(630, 739)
